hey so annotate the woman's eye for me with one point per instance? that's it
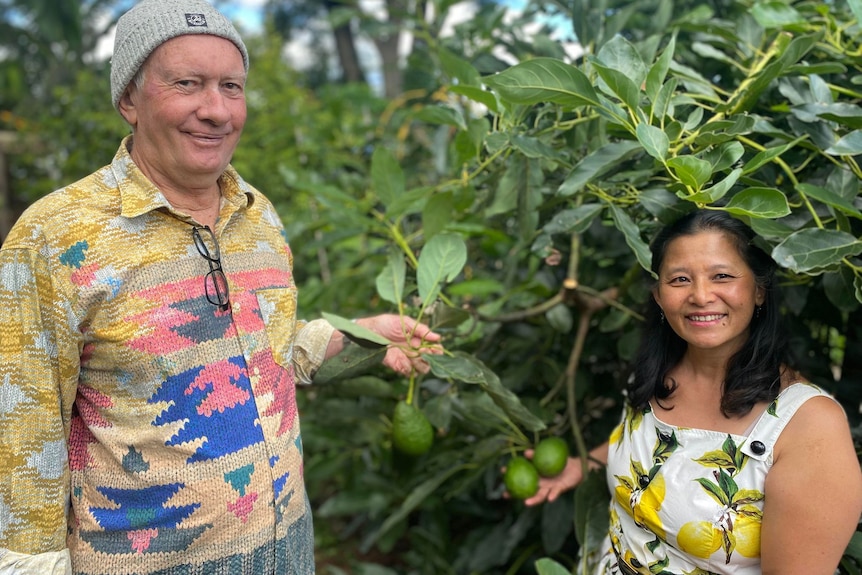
(679, 279)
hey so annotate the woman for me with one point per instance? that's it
(726, 460)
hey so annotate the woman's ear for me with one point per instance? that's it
(759, 295)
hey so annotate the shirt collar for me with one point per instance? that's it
(138, 195)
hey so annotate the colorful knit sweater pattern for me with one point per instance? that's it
(141, 426)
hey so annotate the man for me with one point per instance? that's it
(149, 344)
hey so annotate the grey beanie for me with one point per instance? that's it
(151, 23)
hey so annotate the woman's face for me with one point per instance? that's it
(707, 292)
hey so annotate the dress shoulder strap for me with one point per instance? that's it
(761, 441)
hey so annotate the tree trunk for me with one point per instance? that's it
(393, 78)
(350, 69)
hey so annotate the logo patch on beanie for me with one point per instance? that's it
(196, 20)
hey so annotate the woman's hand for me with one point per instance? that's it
(552, 487)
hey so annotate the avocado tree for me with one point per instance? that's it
(552, 175)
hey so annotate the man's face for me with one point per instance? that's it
(189, 113)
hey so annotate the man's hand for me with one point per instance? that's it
(410, 339)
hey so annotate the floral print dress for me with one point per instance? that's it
(688, 501)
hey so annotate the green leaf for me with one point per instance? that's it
(849, 145)
(469, 369)
(767, 156)
(632, 234)
(812, 250)
(712, 194)
(848, 115)
(705, 50)
(438, 409)
(460, 367)
(856, 8)
(573, 221)
(347, 503)
(437, 213)
(410, 201)
(416, 497)
(533, 147)
(386, 175)
(445, 316)
(691, 171)
(480, 409)
(544, 80)
(591, 511)
(547, 566)
(771, 229)
(662, 204)
(390, 281)
(759, 203)
(822, 69)
(440, 260)
(457, 68)
(776, 15)
(693, 80)
(468, 144)
(661, 106)
(619, 85)
(596, 165)
(442, 115)
(716, 132)
(349, 364)
(694, 119)
(355, 331)
(622, 56)
(724, 156)
(478, 95)
(478, 288)
(787, 53)
(839, 289)
(509, 189)
(557, 523)
(829, 198)
(658, 71)
(654, 141)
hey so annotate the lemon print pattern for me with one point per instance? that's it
(689, 501)
(737, 527)
(642, 492)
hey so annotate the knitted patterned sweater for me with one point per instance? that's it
(142, 427)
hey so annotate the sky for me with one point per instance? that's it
(248, 16)
(247, 13)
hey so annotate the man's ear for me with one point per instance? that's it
(127, 108)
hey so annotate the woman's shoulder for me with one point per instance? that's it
(816, 416)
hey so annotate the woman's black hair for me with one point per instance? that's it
(754, 372)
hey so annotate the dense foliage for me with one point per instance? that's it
(510, 207)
